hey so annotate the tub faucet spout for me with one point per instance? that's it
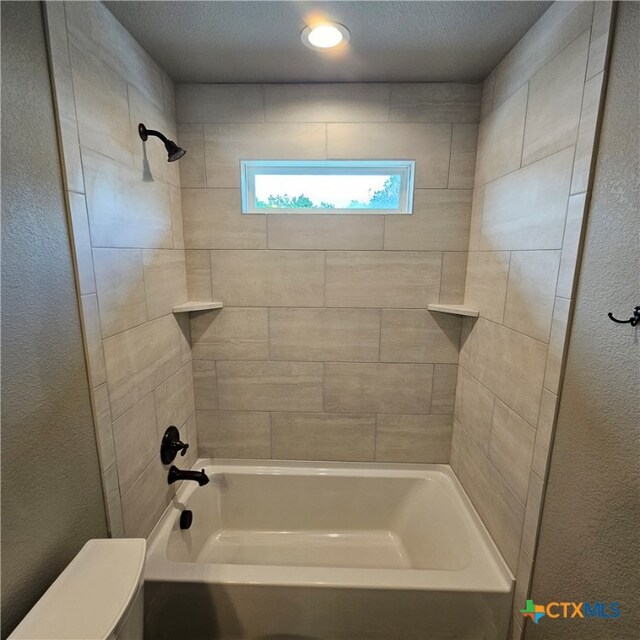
(176, 474)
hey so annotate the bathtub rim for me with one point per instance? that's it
(160, 568)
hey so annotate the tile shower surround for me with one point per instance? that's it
(330, 352)
(535, 152)
(325, 348)
(125, 214)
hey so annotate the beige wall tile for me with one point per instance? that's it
(378, 388)
(169, 95)
(454, 274)
(71, 154)
(475, 231)
(104, 431)
(415, 335)
(321, 436)
(532, 514)
(523, 577)
(270, 386)
(511, 448)
(428, 144)
(230, 334)
(57, 35)
(544, 433)
(268, 278)
(192, 173)
(120, 287)
(500, 139)
(219, 103)
(213, 220)
(165, 280)
(349, 102)
(456, 444)
(557, 339)
(382, 279)
(413, 438)
(440, 222)
(474, 408)
(65, 98)
(486, 288)
(587, 134)
(444, 389)
(325, 334)
(530, 292)
(465, 340)
(124, 210)
(189, 434)
(234, 434)
(555, 96)
(330, 231)
(511, 365)
(225, 145)
(174, 399)
(500, 509)
(140, 359)
(198, 265)
(486, 101)
(205, 385)
(81, 242)
(93, 339)
(177, 230)
(562, 23)
(571, 245)
(515, 630)
(184, 336)
(526, 209)
(99, 30)
(113, 503)
(600, 30)
(137, 441)
(102, 105)
(145, 501)
(464, 144)
(435, 102)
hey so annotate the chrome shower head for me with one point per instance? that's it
(174, 152)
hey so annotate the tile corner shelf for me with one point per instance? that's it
(187, 307)
(456, 309)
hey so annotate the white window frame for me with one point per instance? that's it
(250, 168)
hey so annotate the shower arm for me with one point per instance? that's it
(145, 133)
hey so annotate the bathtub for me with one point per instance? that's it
(335, 551)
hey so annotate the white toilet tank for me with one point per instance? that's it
(99, 596)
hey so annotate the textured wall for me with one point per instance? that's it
(51, 494)
(535, 145)
(589, 545)
(124, 200)
(325, 349)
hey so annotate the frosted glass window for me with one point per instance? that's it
(327, 186)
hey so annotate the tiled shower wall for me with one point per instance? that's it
(536, 140)
(124, 203)
(324, 349)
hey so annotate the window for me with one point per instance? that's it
(327, 186)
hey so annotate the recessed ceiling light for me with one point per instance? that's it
(325, 35)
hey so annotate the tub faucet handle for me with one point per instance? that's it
(171, 445)
(181, 447)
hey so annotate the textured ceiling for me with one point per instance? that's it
(248, 41)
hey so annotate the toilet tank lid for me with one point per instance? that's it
(90, 596)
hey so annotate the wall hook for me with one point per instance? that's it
(633, 321)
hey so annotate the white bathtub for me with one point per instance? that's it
(325, 551)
